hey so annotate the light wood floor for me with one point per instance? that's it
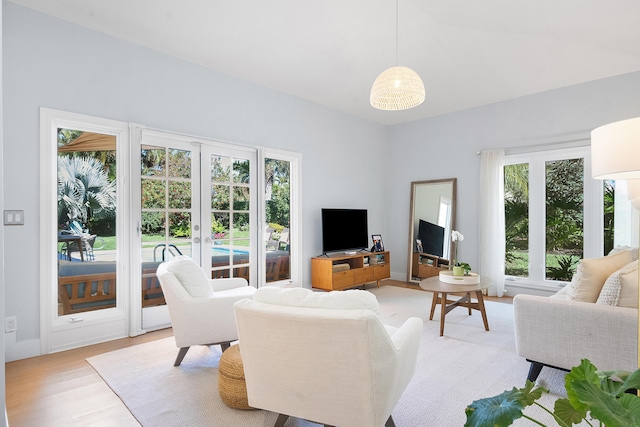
(62, 389)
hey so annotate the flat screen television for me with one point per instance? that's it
(432, 237)
(344, 229)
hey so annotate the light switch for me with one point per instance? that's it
(13, 217)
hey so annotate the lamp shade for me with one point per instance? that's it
(633, 188)
(397, 88)
(615, 150)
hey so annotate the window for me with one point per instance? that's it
(83, 233)
(277, 213)
(281, 198)
(516, 219)
(555, 214)
(86, 218)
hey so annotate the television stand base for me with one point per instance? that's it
(329, 273)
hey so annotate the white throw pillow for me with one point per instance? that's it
(610, 293)
(191, 276)
(592, 273)
(611, 290)
(633, 251)
(629, 286)
(302, 297)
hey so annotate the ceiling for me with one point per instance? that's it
(468, 52)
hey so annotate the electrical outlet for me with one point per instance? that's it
(10, 324)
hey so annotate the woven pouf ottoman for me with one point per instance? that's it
(231, 384)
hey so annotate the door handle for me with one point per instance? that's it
(207, 239)
(196, 240)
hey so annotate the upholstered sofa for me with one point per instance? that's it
(586, 319)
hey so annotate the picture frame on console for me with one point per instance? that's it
(378, 246)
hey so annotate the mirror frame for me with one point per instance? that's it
(414, 185)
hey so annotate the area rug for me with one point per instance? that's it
(466, 364)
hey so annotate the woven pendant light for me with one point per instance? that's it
(397, 88)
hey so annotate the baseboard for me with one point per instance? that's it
(399, 276)
(19, 350)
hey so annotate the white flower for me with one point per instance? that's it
(456, 236)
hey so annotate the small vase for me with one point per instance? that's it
(458, 270)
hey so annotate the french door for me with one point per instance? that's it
(196, 199)
(147, 196)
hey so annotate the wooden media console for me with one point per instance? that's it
(336, 272)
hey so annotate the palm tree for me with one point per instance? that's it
(516, 182)
(276, 173)
(84, 190)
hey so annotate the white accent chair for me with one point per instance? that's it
(201, 309)
(324, 357)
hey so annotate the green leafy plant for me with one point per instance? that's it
(591, 395)
(565, 268)
(217, 226)
(277, 228)
(466, 267)
(84, 190)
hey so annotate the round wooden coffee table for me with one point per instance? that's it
(441, 289)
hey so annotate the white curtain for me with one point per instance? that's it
(491, 219)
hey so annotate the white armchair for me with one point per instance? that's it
(324, 357)
(201, 309)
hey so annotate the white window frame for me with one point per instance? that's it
(63, 332)
(593, 213)
(295, 219)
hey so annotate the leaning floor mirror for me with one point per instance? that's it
(432, 216)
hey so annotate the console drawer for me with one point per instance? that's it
(381, 271)
(425, 270)
(364, 275)
(343, 279)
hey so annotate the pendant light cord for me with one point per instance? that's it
(397, 63)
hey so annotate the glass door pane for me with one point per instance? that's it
(86, 249)
(278, 214)
(167, 213)
(230, 212)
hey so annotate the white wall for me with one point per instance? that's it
(3, 419)
(50, 63)
(445, 147)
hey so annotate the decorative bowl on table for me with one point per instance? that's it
(470, 278)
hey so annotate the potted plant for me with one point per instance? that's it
(591, 395)
(466, 267)
(456, 237)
